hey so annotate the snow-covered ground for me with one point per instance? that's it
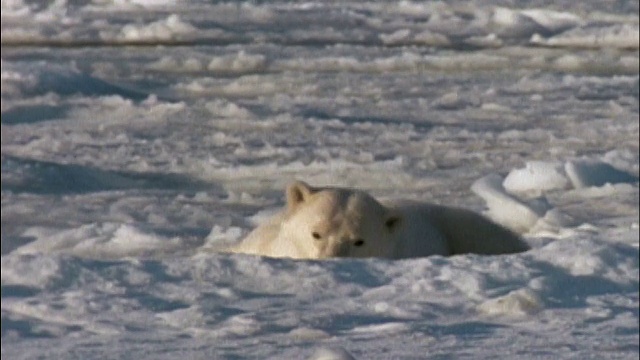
(138, 135)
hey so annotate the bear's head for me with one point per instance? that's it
(335, 222)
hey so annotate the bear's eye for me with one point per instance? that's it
(392, 222)
(316, 235)
(358, 242)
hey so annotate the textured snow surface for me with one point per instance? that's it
(139, 135)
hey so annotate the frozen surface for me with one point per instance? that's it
(139, 135)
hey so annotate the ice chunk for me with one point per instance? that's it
(491, 40)
(219, 237)
(513, 23)
(398, 36)
(516, 303)
(432, 38)
(626, 160)
(38, 272)
(537, 176)
(331, 354)
(451, 101)
(516, 23)
(613, 36)
(586, 173)
(170, 28)
(227, 109)
(307, 334)
(553, 21)
(240, 62)
(504, 208)
(107, 240)
(552, 223)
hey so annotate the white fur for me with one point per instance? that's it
(336, 222)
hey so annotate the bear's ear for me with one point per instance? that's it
(297, 193)
(392, 222)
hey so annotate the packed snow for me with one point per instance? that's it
(140, 135)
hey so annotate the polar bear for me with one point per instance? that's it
(319, 223)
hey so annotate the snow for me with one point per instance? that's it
(140, 136)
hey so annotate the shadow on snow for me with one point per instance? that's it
(41, 177)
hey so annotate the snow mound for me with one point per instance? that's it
(588, 258)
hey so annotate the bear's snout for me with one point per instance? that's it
(337, 248)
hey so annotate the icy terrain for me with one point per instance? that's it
(138, 135)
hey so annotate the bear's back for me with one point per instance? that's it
(416, 235)
(431, 229)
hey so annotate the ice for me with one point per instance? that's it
(219, 237)
(306, 334)
(396, 37)
(519, 201)
(170, 28)
(242, 62)
(140, 136)
(595, 173)
(144, 3)
(431, 38)
(516, 303)
(98, 241)
(222, 108)
(331, 354)
(535, 178)
(614, 36)
(15, 8)
(553, 21)
(36, 273)
(505, 208)
(526, 22)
